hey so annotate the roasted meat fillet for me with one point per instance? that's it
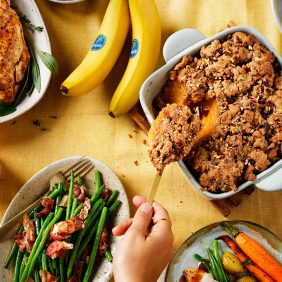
(14, 56)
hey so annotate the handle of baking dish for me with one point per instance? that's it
(272, 179)
(179, 41)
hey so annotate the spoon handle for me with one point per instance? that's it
(154, 188)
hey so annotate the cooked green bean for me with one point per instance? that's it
(93, 229)
(44, 261)
(93, 214)
(98, 180)
(217, 256)
(214, 266)
(36, 275)
(204, 262)
(61, 268)
(18, 266)
(74, 206)
(13, 250)
(112, 198)
(23, 264)
(109, 256)
(77, 210)
(97, 194)
(95, 247)
(70, 199)
(80, 181)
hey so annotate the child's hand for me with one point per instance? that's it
(146, 246)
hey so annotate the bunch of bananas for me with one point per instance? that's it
(99, 61)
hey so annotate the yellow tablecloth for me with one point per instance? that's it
(83, 126)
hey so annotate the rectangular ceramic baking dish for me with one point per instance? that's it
(190, 41)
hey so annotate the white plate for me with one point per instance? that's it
(38, 185)
(202, 239)
(66, 1)
(276, 6)
(41, 41)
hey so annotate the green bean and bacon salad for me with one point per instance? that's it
(62, 238)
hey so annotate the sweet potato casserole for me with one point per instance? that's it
(246, 80)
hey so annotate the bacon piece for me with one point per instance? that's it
(58, 249)
(104, 242)
(25, 240)
(84, 211)
(47, 276)
(106, 194)
(48, 205)
(63, 229)
(78, 192)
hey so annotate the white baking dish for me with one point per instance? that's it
(190, 41)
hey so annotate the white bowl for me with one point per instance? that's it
(41, 41)
(38, 185)
(190, 41)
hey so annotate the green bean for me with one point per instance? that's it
(54, 193)
(93, 214)
(98, 180)
(70, 199)
(23, 264)
(43, 238)
(55, 266)
(74, 206)
(109, 256)
(97, 194)
(61, 268)
(112, 198)
(204, 262)
(36, 276)
(217, 256)
(91, 233)
(44, 261)
(17, 266)
(13, 250)
(95, 247)
(77, 210)
(214, 265)
(59, 197)
(80, 181)
(50, 266)
(37, 224)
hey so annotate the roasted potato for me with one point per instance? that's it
(231, 263)
(246, 279)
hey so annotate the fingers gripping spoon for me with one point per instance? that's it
(208, 124)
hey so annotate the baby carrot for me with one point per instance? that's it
(252, 267)
(256, 253)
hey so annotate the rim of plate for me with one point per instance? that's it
(66, 1)
(209, 228)
(18, 113)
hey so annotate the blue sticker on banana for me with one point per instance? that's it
(134, 49)
(99, 43)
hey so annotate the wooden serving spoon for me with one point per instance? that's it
(208, 124)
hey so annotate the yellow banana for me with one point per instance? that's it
(146, 34)
(106, 49)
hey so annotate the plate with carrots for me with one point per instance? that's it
(228, 251)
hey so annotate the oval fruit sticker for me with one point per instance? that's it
(99, 42)
(134, 49)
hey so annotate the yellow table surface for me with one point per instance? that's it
(83, 126)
